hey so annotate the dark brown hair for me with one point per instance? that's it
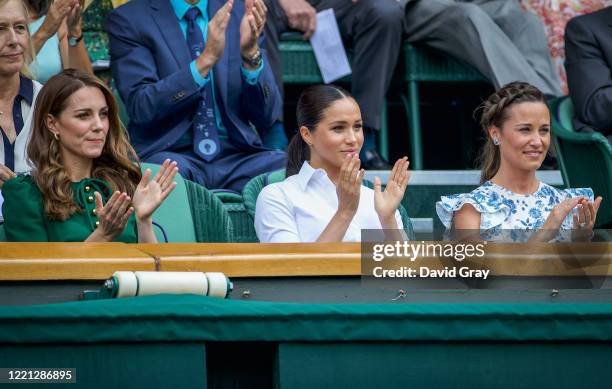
(117, 165)
(494, 112)
(311, 106)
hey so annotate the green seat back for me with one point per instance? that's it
(585, 159)
(255, 185)
(2, 234)
(211, 220)
(174, 215)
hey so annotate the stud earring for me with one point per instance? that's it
(495, 142)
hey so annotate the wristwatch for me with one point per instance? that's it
(254, 61)
(73, 40)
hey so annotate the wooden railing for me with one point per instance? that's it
(81, 261)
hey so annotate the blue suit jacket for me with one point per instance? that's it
(150, 64)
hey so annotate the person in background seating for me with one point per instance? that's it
(497, 37)
(57, 36)
(588, 62)
(85, 185)
(196, 83)
(18, 91)
(323, 199)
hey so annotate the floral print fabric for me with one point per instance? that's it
(503, 211)
(555, 14)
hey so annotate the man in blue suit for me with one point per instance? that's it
(195, 81)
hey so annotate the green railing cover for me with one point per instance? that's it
(198, 318)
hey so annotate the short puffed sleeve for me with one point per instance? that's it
(492, 207)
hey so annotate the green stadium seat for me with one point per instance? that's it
(255, 185)
(585, 159)
(423, 64)
(242, 222)
(191, 214)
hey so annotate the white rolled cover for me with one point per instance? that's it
(171, 282)
(217, 284)
(127, 283)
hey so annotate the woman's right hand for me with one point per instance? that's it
(57, 13)
(348, 187)
(112, 217)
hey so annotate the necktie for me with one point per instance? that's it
(205, 136)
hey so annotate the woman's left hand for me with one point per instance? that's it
(584, 219)
(387, 202)
(74, 19)
(149, 195)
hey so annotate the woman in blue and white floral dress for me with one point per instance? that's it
(512, 204)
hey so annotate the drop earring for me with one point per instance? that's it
(495, 142)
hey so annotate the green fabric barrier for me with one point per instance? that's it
(114, 365)
(444, 365)
(199, 318)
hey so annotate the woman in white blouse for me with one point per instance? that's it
(322, 198)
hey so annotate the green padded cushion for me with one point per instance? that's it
(172, 318)
(211, 220)
(566, 113)
(174, 215)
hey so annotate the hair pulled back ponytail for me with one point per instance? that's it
(494, 112)
(311, 107)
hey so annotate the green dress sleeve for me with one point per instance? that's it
(24, 219)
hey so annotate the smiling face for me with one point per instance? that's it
(525, 136)
(14, 36)
(83, 125)
(338, 133)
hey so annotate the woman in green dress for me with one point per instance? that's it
(85, 184)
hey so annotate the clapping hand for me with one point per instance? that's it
(73, 20)
(584, 219)
(215, 39)
(58, 11)
(149, 194)
(387, 202)
(113, 216)
(348, 187)
(251, 26)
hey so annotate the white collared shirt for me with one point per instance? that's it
(299, 208)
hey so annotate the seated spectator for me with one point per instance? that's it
(555, 16)
(84, 185)
(17, 90)
(375, 40)
(322, 199)
(516, 123)
(57, 36)
(588, 51)
(497, 37)
(194, 84)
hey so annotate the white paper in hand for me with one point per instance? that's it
(328, 48)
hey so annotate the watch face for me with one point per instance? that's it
(72, 41)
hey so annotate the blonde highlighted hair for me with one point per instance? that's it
(29, 53)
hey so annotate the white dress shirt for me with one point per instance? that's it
(299, 208)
